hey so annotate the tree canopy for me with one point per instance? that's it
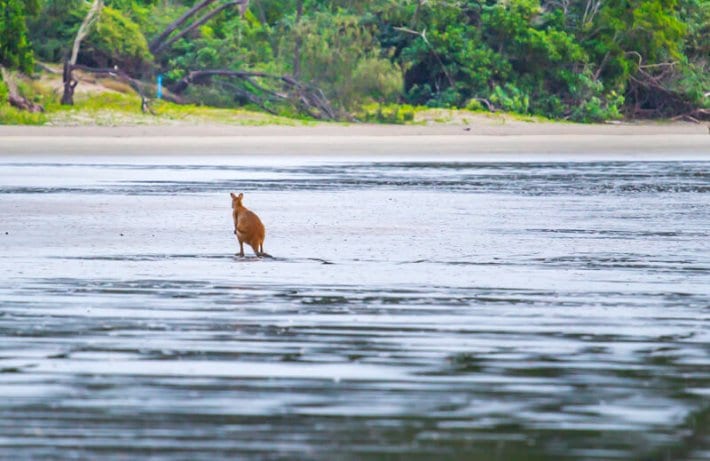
(584, 60)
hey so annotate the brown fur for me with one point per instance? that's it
(247, 226)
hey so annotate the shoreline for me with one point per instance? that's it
(515, 141)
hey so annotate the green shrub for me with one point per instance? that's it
(510, 98)
(387, 113)
(116, 40)
(4, 92)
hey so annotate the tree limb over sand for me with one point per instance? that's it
(306, 98)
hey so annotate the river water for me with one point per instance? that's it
(411, 310)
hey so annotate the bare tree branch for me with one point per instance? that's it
(177, 23)
(90, 18)
(309, 99)
(162, 42)
(422, 34)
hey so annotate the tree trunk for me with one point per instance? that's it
(67, 76)
(85, 28)
(69, 85)
(298, 42)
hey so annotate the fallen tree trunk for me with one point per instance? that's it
(14, 97)
(306, 98)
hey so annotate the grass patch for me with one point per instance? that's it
(386, 113)
(204, 114)
(12, 116)
(118, 109)
(404, 114)
(107, 102)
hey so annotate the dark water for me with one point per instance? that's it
(431, 310)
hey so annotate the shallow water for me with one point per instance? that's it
(429, 310)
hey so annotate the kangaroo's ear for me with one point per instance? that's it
(233, 196)
(241, 196)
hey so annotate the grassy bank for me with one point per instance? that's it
(106, 102)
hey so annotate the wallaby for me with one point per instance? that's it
(247, 227)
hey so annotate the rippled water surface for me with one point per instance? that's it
(428, 310)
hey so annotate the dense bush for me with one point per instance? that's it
(116, 40)
(15, 48)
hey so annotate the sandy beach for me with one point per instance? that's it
(514, 139)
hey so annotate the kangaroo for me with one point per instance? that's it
(247, 227)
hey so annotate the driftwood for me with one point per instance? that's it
(306, 98)
(14, 97)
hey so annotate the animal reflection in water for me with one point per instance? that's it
(247, 227)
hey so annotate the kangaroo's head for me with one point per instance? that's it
(236, 200)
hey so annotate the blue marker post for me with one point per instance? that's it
(159, 93)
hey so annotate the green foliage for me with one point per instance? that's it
(4, 92)
(15, 48)
(340, 53)
(377, 79)
(116, 40)
(11, 116)
(532, 57)
(52, 31)
(510, 99)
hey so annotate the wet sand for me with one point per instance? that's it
(413, 310)
(517, 140)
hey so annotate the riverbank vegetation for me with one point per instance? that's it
(366, 60)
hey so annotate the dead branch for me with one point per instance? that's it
(307, 98)
(47, 68)
(85, 28)
(242, 93)
(486, 103)
(422, 35)
(654, 96)
(172, 27)
(163, 46)
(164, 41)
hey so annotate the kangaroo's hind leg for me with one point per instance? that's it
(255, 246)
(241, 248)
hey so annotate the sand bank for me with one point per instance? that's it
(515, 140)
